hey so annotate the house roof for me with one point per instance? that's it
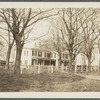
(44, 48)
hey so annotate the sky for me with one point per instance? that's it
(40, 29)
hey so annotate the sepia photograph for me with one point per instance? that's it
(50, 49)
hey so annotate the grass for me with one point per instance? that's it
(46, 82)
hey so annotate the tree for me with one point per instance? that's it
(55, 39)
(71, 30)
(9, 41)
(10, 44)
(2, 48)
(90, 36)
(21, 20)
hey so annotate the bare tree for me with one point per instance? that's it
(55, 39)
(90, 36)
(2, 48)
(9, 40)
(71, 30)
(21, 20)
(10, 43)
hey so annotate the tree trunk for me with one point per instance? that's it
(70, 63)
(8, 57)
(8, 54)
(18, 59)
(89, 64)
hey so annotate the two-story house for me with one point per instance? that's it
(35, 56)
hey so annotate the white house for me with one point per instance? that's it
(35, 56)
(81, 59)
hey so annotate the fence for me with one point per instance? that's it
(40, 69)
(51, 69)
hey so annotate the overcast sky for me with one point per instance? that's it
(40, 29)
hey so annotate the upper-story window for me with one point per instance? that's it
(34, 53)
(25, 53)
(40, 54)
(45, 55)
(48, 55)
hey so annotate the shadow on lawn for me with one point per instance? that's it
(34, 82)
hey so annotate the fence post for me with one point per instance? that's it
(39, 69)
(52, 68)
(75, 68)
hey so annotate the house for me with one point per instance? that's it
(81, 60)
(35, 56)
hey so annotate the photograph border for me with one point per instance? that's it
(69, 95)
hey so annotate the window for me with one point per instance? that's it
(2, 63)
(48, 55)
(32, 62)
(40, 62)
(34, 53)
(40, 54)
(25, 53)
(45, 55)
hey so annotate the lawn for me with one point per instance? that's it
(46, 82)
